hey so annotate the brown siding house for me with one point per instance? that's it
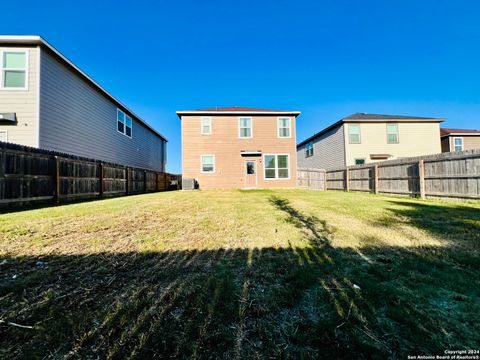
(459, 139)
(239, 147)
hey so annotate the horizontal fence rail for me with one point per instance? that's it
(446, 175)
(29, 175)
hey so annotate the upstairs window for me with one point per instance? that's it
(458, 142)
(245, 127)
(284, 127)
(206, 127)
(309, 149)
(392, 133)
(14, 70)
(354, 134)
(124, 123)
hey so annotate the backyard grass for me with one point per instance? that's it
(240, 274)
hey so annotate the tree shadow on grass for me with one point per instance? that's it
(298, 302)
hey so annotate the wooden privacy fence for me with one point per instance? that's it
(30, 175)
(447, 175)
(311, 178)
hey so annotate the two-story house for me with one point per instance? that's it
(362, 138)
(47, 102)
(459, 139)
(236, 147)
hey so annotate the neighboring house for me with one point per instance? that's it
(47, 102)
(362, 138)
(238, 147)
(459, 139)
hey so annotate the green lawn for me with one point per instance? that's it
(240, 274)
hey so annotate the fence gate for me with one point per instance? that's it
(311, 178)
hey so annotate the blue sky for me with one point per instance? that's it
(327, 59)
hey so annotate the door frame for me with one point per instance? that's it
(245, 174)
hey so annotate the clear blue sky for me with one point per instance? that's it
(327, 59)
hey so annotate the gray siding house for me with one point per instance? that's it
(47, 102)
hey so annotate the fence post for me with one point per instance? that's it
(347, 179)
(127, 172)
(57, 180)
(375, 182)
(101, 189)
(156, 181)
(421, 175)
(325, 181)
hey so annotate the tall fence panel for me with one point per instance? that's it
(311, 178)
(446, 175)
(29, 176)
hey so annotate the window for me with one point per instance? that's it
(245, 127)
(392, 133)
(359, 161)
(458, 142)
(309, 149)
(207, 163)
(206, 126)
(14, 70)
(277, 166)
(3, 136)
(354, 134)
(284, 127)
(124, 123)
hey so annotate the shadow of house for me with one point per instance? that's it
(309, 302)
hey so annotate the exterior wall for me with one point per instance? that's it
(23, 103)
(415, 139)
(225, 144)
(328, 151)
(445, 142)
(469, 142)
(77, 119)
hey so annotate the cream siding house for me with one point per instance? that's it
(47, 102)
(363, 138)
(239, 147)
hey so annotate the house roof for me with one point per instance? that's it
(450, 131)
(39, 41)
(371, 118)
(236, 110)
(365, 116)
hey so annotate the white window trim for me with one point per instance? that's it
(201, 164)
(6, 134)
(289, 127)
(276, 178)
(396, 133)
(240, 128)
(27, 71)
(124, 133)
(454, 146)
(359, 134)
(210, 126)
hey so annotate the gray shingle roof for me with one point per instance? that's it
(365, 116)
